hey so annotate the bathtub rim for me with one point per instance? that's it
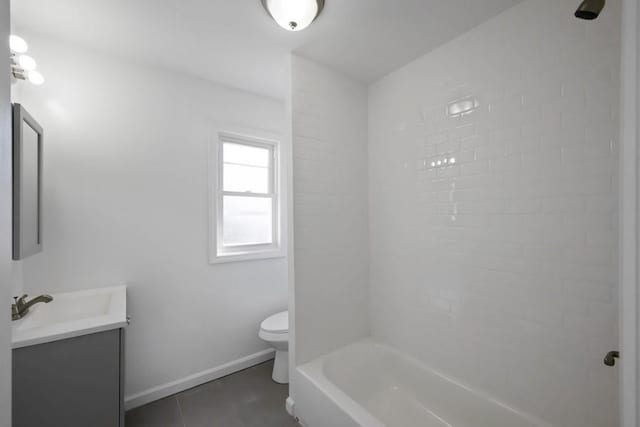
(314, 373)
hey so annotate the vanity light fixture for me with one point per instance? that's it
(293, 15)
(23, 67)
(35, 77)
(26, 62)
(17, 44)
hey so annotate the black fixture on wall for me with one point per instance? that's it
(590, 9)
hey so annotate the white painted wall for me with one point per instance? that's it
(6, 265)
(329, 127)
(502, 269)
(125, 200)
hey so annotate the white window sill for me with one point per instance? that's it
(246, 256)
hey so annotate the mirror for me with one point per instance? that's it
(27, 184)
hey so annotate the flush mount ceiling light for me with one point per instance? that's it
(293, 15)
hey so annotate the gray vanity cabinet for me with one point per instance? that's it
(74, 382)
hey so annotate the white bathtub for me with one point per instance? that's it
(368, 384)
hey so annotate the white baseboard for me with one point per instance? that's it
(173, 387)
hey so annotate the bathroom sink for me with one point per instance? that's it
(72, 314)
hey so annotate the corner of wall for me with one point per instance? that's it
(6, 273)
(328, 113)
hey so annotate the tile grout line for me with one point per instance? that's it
(184, 423)
(240, 386)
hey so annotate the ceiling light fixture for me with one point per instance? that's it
(293, 15)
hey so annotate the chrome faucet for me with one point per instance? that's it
(21, 307)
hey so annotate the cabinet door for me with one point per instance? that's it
(72, 382)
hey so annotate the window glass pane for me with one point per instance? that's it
(247, 221)
(246, 154)
(246, 178)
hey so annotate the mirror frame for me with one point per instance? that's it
(23, 249)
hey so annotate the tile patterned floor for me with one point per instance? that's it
(247, 398)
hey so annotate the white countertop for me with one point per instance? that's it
(72, 314)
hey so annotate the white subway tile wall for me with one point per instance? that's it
(500, 269)
(329, 119)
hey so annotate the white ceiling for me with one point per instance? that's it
(234, 42)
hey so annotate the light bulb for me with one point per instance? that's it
(26, 62)
(35, 77)
(293, 15)
(17, 44)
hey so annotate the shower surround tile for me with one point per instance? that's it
(502, 270)
(329, 140)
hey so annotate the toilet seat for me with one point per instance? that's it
(276, 324)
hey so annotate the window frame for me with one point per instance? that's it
(220, 253)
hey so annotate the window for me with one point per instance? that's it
(247, 199)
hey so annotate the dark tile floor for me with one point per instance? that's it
(247, 398)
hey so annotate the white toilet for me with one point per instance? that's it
(275, 331)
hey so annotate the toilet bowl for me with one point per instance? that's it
(275, 331)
